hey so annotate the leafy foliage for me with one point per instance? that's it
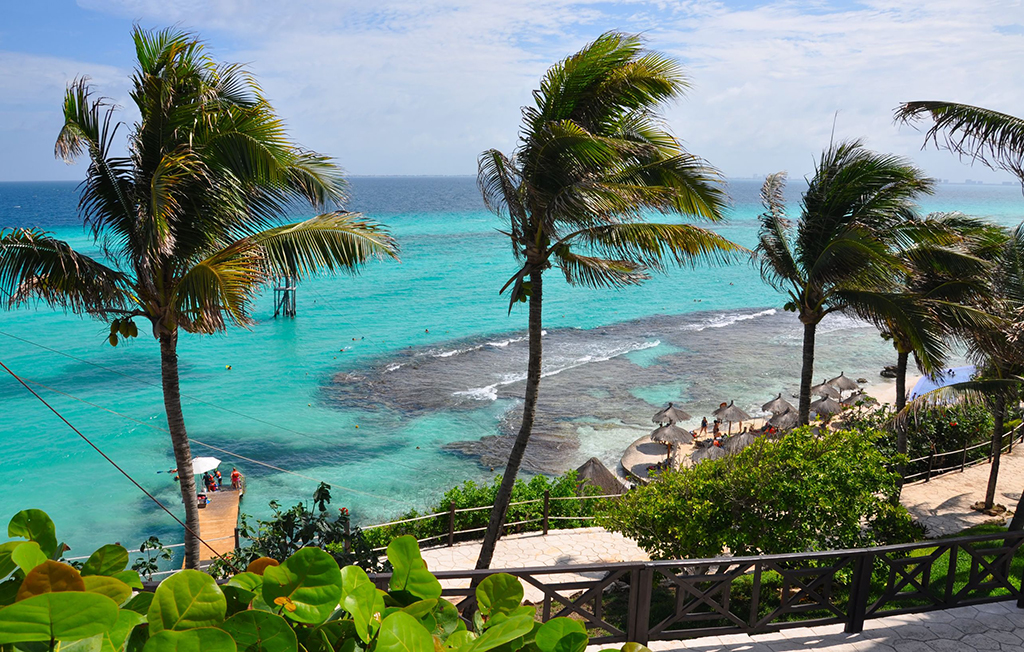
(304, 603)
(569, 513)
(801, 492)
(300, 526)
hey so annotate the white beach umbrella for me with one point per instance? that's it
(201, 465)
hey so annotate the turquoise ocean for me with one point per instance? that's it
(397, 383)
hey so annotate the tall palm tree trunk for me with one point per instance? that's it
(179, 440)
(807, 373)
(515, 458)
(902, 359)
(999, 415)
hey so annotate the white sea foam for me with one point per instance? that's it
(503, 343)
(490, 392)
(393, 367)
(724, 319)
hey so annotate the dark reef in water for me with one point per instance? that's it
(594, 378)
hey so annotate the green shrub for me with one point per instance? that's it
(565, 513)
(798, 493)
(306, 602)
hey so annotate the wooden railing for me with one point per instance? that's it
(665, 600)
(959, 457)
(448, 537)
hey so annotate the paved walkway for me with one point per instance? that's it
(943, 505)
(998, 626)
(558, 548)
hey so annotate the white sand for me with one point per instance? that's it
(885, 389)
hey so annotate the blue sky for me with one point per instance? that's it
(422, 86)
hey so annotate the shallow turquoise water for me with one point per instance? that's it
(314, 395)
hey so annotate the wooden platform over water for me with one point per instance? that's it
(218, 520)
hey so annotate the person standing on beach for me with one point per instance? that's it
(704, 426)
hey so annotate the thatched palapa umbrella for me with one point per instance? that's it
(731, 413)
(859, 397)
(671, 414)
(671, 434)
(826, 391)
(843, 384)
(826, 406)
(709, 453)
(597, 474)
(785, 420)
(739, 442)
(777, 405)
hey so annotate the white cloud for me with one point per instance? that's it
(419, 87)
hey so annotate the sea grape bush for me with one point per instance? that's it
(802, 492)
(470, 494)
(305, 603)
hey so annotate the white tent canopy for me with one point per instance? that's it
(201, 465)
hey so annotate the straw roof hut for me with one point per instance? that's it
(595, 473)
(738, 443)
(826, 406)
(843, 384)
(826, 391)
(671, 434)
(709, 453)
(777, 405)
(785, 420)
(671, 414)
(859, 397)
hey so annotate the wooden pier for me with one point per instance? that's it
(218, 520)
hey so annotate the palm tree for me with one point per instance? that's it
(997, 349)
(593, 159)
(996, 139)
(189, 222)
(841, 254)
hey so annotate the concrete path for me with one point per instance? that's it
(557, 548)
(998, 626)
(943, 505)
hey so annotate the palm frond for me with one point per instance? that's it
(331, 242)
(224, 284)
(597, 272)
(774, 252)
(977, 392)
(996, 139)
(34, 265)
(656, 245)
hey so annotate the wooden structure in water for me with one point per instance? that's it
(284, 297)
(218, 520)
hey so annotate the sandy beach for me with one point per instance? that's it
(884, 391)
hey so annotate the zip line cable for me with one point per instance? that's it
(116, 466)
(201, 443)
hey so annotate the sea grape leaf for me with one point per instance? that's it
(186, 600)
(307, 585)
(9, 590)
(446, 619)
(200, 639)
(460, 639)
(67, 616)
(129, 577)
(91, 644)
(554, 630)
(137, 639)
(238, 599)
(634, 647)
(351, 577)
(112, 640)
(107, 560)
(111, 587)
(503, 632)
(364, 603)
(7, 565)
(400, 632)
(34, 525)
(50, 577)
(410, 571)
(139, 603)
(257, 566)
(499, 593)
(28, 555)
(259, 631)
(248, 581)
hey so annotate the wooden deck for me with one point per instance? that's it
(218, 520)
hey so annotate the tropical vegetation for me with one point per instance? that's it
(795, 494)
(189, 222)
(593, 159)
(841, 255)
(305, 602)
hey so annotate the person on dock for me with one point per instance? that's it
(220, 480)
(236, 478)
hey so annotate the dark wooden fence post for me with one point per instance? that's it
(547, 500)
(931, 464)
(347, 543)
(963, 461)
(238, 545)
(641, 608)
(451, 525)
(860, 589)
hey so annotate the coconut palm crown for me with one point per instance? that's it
(593, 161)
(190, 220)
(841, 253)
